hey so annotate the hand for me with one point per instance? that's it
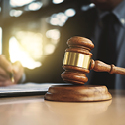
(6, 68)
(18, 71)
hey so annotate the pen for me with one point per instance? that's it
(12, 77)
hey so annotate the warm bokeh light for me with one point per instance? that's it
(92, 5)
(34, 6)
(29, 48)
(17, 53)
(87, 7)
(57, 1)
(53, 34)
(16, 3)
(70, 12)
(123, 20)
(58, 19)
(32, 42)
(54, 37)
(15, 13)
(49, 49)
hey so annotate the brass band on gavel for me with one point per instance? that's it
(77, 59)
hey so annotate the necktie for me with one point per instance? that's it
(107, 50)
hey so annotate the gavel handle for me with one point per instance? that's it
(99, 66)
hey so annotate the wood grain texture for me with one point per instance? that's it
(74, 77)
(76, 93)
(80, 45)
(34, 110)
(75, 74)
(80, 41)
(99, 66)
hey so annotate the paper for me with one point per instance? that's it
(26, 88)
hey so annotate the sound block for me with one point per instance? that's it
(77, 93)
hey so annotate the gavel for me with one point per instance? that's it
(77, 61)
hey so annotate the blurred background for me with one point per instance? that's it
(31, 29)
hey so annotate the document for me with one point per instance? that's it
(25, 89)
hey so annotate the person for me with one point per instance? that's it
(90, 24)
(6, 69)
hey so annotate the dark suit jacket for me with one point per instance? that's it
(82, 24)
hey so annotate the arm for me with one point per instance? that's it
(6, 69)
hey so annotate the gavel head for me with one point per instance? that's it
(77, 60)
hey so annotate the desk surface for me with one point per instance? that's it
(34, 110)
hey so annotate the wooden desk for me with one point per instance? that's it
(35, 110)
